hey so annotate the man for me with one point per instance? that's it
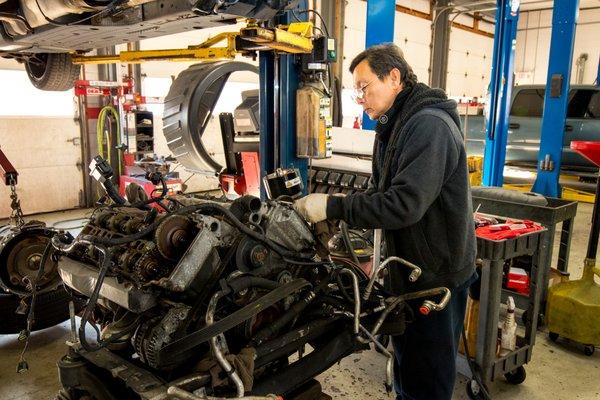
(419, 195)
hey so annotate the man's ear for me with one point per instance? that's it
(395, 77)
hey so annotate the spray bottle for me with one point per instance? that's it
(509, 329)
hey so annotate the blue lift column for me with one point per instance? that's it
(564, 20)
(380, 29)
(279, 78)
(501, 83)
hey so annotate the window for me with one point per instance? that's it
(593, 109)
(578, 103)
(528, 103)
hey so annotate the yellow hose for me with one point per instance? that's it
(104, 137)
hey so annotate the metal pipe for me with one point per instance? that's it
(229, 370)
(385, 352)
(414, 275)
(376, 248)
(428, 304)
(175, 392)
(356, 298)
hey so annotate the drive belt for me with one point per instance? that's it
(175, 350)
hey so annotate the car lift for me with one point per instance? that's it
(556, 99)
(500, 91)
(294, 38)
(564, 20)
(279, 76)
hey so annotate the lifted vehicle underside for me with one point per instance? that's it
(44, 34)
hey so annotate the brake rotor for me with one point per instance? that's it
(174, 235)
(23, 262)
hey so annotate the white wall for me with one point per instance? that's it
(469, 61)
(533, 46)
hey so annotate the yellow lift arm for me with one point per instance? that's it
(294, 38)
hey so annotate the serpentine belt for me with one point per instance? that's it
(174, 350)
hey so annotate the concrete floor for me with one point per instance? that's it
(557, 371)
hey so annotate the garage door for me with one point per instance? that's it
(45, 151)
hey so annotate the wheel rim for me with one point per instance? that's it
(37, 66)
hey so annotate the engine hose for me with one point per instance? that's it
(89, 307)
(113, 193)
(348, 242)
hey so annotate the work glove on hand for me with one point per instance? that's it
(312, 207)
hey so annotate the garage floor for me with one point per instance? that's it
(557, 371)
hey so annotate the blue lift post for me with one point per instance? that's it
(564, 21)
(380, 29)
(507, 17)
(279, 78)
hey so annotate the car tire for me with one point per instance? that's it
(51, 308)
(52, 71)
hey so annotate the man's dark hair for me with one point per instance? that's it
(382, 59)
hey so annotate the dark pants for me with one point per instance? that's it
(424, 365)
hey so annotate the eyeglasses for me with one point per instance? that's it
(359, 94)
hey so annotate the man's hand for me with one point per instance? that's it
(312, 207)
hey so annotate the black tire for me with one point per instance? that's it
(473, 390)
(553, 336)
(589, 350)
(517, 376)
(51, 308)
(188, 106)
(52, 71)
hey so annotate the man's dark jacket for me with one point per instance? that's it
(419, 191)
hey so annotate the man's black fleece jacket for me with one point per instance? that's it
(419, 193)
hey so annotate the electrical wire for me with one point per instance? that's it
(24, 335)
(472, 367)
(318, 15)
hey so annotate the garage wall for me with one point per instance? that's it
(533, 46)
(40, 137)
(469, 61)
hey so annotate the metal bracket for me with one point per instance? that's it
(293, 38)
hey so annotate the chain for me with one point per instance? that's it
(16, 215)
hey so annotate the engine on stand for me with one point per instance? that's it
(211, 299)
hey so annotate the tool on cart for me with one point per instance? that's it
(573, 308)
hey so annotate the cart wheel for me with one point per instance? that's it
(589, 349)
(384, 340)
(553, 336)
(474, 390)
(516, 376)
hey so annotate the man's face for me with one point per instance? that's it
(377, 95)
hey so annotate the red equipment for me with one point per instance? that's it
(9, 173)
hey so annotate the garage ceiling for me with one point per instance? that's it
(487, 6)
